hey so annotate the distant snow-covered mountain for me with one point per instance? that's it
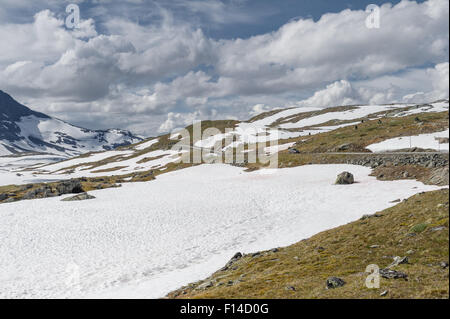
(24, 130)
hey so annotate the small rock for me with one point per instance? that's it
(395, 201)
(205, 285)
(405, 175)
(236, 256)
(409, 252)
(370, 216)
(294, 151)
(392, 274)
(292, 288)
(374, 246)
(233, 259)
(275, 250)
(384, 293)
(398, 261)
(334, 282)
(443, 264)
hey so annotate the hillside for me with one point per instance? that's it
(152, 223)
(23, 130)
(416, 228)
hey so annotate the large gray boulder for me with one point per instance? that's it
(345, 178)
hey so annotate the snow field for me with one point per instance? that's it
(146, 239)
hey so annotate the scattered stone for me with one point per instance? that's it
(344, 147)
(443, 264)
(292, 288)
(69, 187)
(409, 252)
(294, 151)
(257, 254)
(438, 228)
(384, 293)
(395, 201)
(405, 175)
(3, 196)
(320, 249)
(374, 246)
(393, 274)
(370, 216)
(334, 282)
(233, 259)
(398, 261)
(83, 196)
(275, 250)
(205, 285)
(345, 178)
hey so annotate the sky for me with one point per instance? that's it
(151, 66)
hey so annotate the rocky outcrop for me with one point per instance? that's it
(345, 178)
(350, 147)
(61, 188)
(434, 160)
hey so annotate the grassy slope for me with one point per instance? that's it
(371, 131)
(345, 252)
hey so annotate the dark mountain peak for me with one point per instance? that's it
(12, 110)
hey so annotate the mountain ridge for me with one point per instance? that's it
(24, 130)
